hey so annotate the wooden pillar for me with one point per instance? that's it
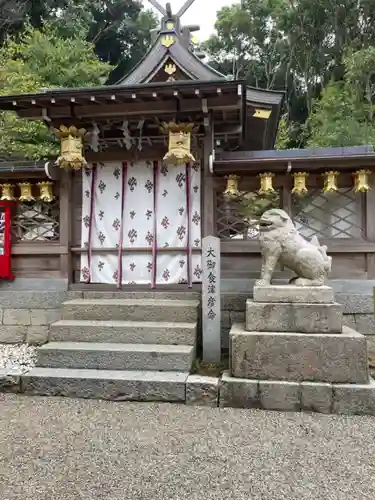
(369, 208)
(208, 228)
(65, 197)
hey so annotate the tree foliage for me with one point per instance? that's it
(118, 29)
(313, 50)
(56, 43)
(41, 58)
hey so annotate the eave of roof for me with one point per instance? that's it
(100, 91)
(310, 158)
(264, 96)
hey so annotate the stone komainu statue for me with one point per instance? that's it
(281, 242)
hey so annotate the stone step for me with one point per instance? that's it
(127, 332)
(146, 294)
(185, 311)
(106, 384)
(97, 356)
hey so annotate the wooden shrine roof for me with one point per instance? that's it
(294, 160)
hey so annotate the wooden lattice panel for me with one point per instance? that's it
(37, 221)
(329, 215)
(230, 225)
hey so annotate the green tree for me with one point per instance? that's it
(294, 45)
(118, 29)
(41, 58)
(344, 115)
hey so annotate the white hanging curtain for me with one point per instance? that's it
(147, 206)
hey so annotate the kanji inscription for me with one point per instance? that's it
(211, 316)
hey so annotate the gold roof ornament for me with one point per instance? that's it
(170, 69)
(232, 186)
(179, 142)
(46, 193)
(168, 40)
(266, 186)
(330, 182)
(26, 193)
(71, 147)
(194, 40)
(7, 192)
(299, 187)
(361, 181)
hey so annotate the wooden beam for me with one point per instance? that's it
(66, 204)
(208, 208)
(369, 209)
(147, 153)
(158, 7)
(335, 246)
(134, 108)
(185, 7)
(37, 248)
(114, 250)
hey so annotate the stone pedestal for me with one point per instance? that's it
(294, 354)
(316, 357)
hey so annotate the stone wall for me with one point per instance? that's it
(356, 296)
(28, 306)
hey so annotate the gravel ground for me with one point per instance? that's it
(17, 358)
(65, 449)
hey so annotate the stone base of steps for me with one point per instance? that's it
(106, 384)
(110, 356)
(128, 332)
(185, 311)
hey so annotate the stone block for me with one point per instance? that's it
(355, 303)
(316, 397)
(225, 328)
(110, 356)
(44, 316)
(234, 301)
(298, 356)
(303, 318)
(237, 317)
(104, 384)
(294, 294)
(349, 320)
(162, 295)
(238, 393)
(12, 334)
(16, 317)
(9, 383)
(202, 391)
(370, 341)
(35, 284)
(174, 311)
(350, 399)
(35, 299)
(126, 332)
(365, 323)
(37, 335)
(280, 395)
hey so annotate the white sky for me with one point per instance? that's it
(202, 12)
